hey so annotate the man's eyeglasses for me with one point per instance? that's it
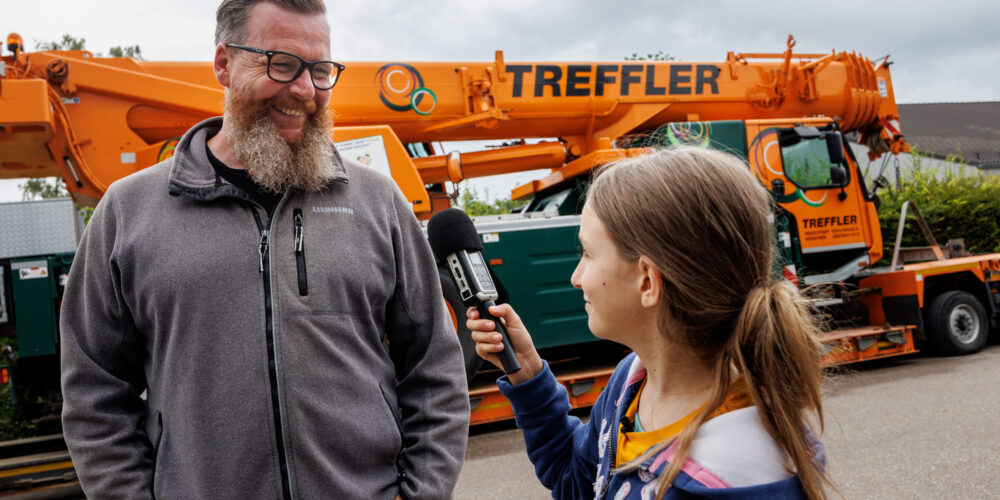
(284, 67)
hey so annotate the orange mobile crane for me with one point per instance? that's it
(92, 121)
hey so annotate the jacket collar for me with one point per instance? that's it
(192, 175)
(636, 374)
(633, 381)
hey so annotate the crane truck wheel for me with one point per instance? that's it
(956, 324)
(457, 309)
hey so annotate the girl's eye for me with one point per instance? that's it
(581, 252)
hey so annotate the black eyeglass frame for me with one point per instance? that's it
(303, 64)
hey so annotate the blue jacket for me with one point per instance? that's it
(732, 456)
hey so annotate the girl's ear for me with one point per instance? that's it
(650, 283)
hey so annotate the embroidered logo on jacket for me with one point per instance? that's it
(333, 210)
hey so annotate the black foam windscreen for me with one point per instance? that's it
(451, 230)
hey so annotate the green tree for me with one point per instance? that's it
(132, 51)
(44, 188)
(47, 188)
(657, 56)
(472, 202)
(68, 42)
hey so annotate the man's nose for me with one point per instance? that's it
(302, 87)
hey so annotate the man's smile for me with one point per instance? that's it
(291, 112)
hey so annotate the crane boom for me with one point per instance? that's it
(94, 120)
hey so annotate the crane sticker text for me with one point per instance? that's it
(830, 230)
(846, 220)
(624, 79)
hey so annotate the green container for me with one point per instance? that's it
(36, 286)
(534, 260)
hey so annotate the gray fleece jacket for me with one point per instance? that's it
(305, 356)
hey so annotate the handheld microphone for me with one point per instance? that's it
(455, 242)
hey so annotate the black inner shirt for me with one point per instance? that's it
(241, 179)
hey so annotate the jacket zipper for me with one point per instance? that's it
(400, 469)
(612, 441)
(300, 253)
(156, 450)
(272, 364)
(612, 444)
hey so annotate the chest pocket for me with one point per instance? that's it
(334, 261)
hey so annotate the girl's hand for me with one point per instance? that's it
(488, 341)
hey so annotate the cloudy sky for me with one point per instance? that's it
(943, 51)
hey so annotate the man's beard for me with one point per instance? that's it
(273, 163)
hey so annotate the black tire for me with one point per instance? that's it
(956, 324)
(454, 302)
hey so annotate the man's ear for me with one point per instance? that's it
(650, 283)
(220, 65)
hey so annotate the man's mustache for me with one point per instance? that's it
(308, 106)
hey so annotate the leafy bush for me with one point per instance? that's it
(13, 424)
(963, 204)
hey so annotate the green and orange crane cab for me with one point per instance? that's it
(92, 120)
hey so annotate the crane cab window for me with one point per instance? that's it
(806, 156)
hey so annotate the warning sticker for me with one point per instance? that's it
(491, 237)
(30, 273)
(369, 151)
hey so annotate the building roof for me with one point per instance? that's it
(969, 131)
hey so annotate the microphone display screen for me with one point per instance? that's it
(482, 275)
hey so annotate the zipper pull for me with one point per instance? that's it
(263, 248)
(298, 231)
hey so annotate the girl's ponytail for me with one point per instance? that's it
(775, 346)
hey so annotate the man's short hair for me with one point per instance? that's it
(232, 15)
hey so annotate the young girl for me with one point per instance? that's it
(678, 265)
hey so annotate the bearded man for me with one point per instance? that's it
(278, 305)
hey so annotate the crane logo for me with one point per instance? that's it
(698, 134)
(401, 88)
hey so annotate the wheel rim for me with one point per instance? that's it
(963, 324)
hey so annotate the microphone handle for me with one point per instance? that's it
(507, 357)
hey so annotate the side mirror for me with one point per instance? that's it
(778, 188)
(835, 147)
(838, 175)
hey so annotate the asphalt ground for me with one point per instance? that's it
(911, 427)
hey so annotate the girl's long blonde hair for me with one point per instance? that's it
(704, 220)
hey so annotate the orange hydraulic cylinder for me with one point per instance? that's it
(455, 167)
